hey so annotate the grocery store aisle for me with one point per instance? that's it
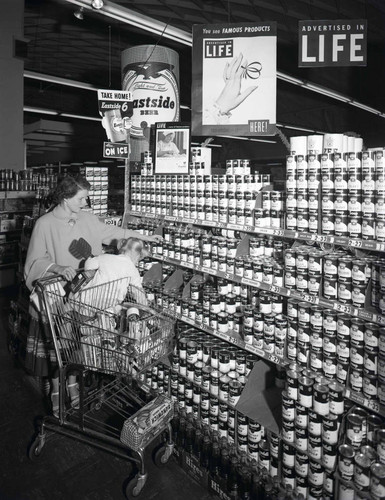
(66, 469)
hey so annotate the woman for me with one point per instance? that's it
(49, 254)
(167, 146)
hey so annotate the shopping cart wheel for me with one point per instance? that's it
(36, 448)
(163, 454)
(135, 486)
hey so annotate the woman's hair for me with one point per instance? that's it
(134, 244)
(68, 186)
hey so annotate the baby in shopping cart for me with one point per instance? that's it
(115, 276)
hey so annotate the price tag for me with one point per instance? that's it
(381, 320)
(273, 358)
(255, 350)
(309, 298)
(274, 288)
(247, 281)
(278, 232)
(248, 229)
(373, 405)
(380, 247)
(357, 398)
(367, 315)
(355, 243)
(341, 307)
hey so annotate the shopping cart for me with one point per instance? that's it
(94, 339)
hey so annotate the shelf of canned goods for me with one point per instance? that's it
(295, 278)
(370, 245)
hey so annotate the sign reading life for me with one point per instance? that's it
(333, 43)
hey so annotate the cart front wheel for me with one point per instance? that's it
(36, 448)
(133, 488)
(162, 456)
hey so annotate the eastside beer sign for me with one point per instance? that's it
(333, 43)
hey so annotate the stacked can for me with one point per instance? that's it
(297, 207)
(227, 198)
(361, 463)
(311, 413)
(378, 285)
(327, 192)
(379, 162)
(345, 278)
(207, 379)
(271, 214)
(354, 167)
(368, 229)
(303, 269)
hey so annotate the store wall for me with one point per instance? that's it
(11, 86)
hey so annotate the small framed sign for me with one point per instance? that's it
(172, 148)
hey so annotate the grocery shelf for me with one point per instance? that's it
(233, 338)
(283, 233)
(372, 404)
(11, 195)
(285, 292)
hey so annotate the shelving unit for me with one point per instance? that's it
(368, 314)
(13, 205)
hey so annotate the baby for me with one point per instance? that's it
(116, 272)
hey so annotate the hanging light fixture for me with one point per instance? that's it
(79, 13)
(97, 4)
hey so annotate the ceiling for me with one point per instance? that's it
(89, 51)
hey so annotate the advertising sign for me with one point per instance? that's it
(151, 74)
(115, 108)
(234, 79)
(332, 43)
(172, 148)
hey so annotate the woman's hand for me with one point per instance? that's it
(231, 95)
(67, 272)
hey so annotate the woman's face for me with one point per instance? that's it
(169, 137)
(77, 202)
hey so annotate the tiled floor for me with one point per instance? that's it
(66, 468)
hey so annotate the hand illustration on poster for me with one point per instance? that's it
(232, 94)
(114, 125)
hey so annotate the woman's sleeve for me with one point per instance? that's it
(110, 233)
(38, 260)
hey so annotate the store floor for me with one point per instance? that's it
(66, 469)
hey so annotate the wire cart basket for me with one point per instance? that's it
(95, 338)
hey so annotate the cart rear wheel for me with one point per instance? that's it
(36, 448)
(133, 488)
(161, 457)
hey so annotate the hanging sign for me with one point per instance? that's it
(151, 74)
(115, 108)
(234, 79)
(116, 150)
(333, 43)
